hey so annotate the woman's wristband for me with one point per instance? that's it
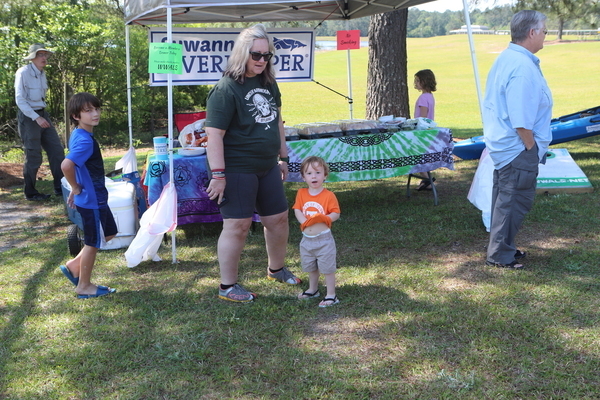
(284, 159)
(218, 174)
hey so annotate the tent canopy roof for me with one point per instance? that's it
(148, 12)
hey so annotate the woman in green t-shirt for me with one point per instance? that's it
(248, 159)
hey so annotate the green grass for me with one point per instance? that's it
(421, 316)
(570, 69)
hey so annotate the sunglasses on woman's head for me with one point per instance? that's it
(256, 56)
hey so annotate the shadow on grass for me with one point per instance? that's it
(17, 315)
(415, 299)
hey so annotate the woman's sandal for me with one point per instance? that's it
(333, 300)
(306, 295)
(520, 254)
(513, 265)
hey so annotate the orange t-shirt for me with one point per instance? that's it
(316, 208)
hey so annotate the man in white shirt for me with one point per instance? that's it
(35, 128)
(517, 110)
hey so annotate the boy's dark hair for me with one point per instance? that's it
(427, 79)
(78, 102)
(313, 160)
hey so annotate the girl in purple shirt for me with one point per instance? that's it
(425, 106)
(425, 83)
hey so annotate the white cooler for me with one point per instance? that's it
(122, 203)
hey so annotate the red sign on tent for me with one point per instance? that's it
(348, 40)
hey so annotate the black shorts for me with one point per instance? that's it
(97, 225)
(245, 193)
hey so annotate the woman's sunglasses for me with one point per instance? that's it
(256, 56)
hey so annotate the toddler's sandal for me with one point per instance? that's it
(306, 295)
(333, 300)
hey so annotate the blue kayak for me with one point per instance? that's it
(569, 127)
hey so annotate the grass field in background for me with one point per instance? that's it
(571, 70)
(421, 316)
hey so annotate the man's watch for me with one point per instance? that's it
(284, 159)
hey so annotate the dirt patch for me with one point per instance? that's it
(11, 174)
(13, 214)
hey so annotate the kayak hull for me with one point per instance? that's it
(569, 127)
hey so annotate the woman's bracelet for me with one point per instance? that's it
(218, 174)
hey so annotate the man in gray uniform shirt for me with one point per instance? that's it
(35, 128)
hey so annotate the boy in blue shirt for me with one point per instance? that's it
(83, 168)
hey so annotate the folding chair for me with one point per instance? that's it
(184, 119)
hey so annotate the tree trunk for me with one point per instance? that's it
(561, 25)
(387, 90)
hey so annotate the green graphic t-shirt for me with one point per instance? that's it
(249, 114)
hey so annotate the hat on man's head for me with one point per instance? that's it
(33, 49)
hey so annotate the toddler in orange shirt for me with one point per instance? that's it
(316, 208)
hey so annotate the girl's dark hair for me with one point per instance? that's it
(78, 102)
(427, 79)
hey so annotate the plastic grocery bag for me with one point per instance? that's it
(425, 123)
(128, 163)
(159, 219)
(480, 193)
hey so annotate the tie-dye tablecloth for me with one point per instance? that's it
(376, 156)
(350, 158)
(191, 178)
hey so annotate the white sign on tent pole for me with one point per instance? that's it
(206, 51)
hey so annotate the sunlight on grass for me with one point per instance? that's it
(450, 59)
(421, 316)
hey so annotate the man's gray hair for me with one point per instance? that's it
(523, 21)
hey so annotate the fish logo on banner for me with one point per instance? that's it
(290, 44)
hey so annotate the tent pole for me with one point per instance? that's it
(349, 74)
(128, 63)
(170, 125)
(473, 58)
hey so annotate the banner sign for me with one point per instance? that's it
(164, 57)
(348, 40)
(205, 52)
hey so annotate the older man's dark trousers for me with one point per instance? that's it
(512, 198)
(36, 138)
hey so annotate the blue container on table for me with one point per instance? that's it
(160, 148)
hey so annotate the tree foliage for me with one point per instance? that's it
(88, 40)
(564, 10)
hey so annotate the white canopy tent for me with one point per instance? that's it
(198, 11)
(168, 12)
